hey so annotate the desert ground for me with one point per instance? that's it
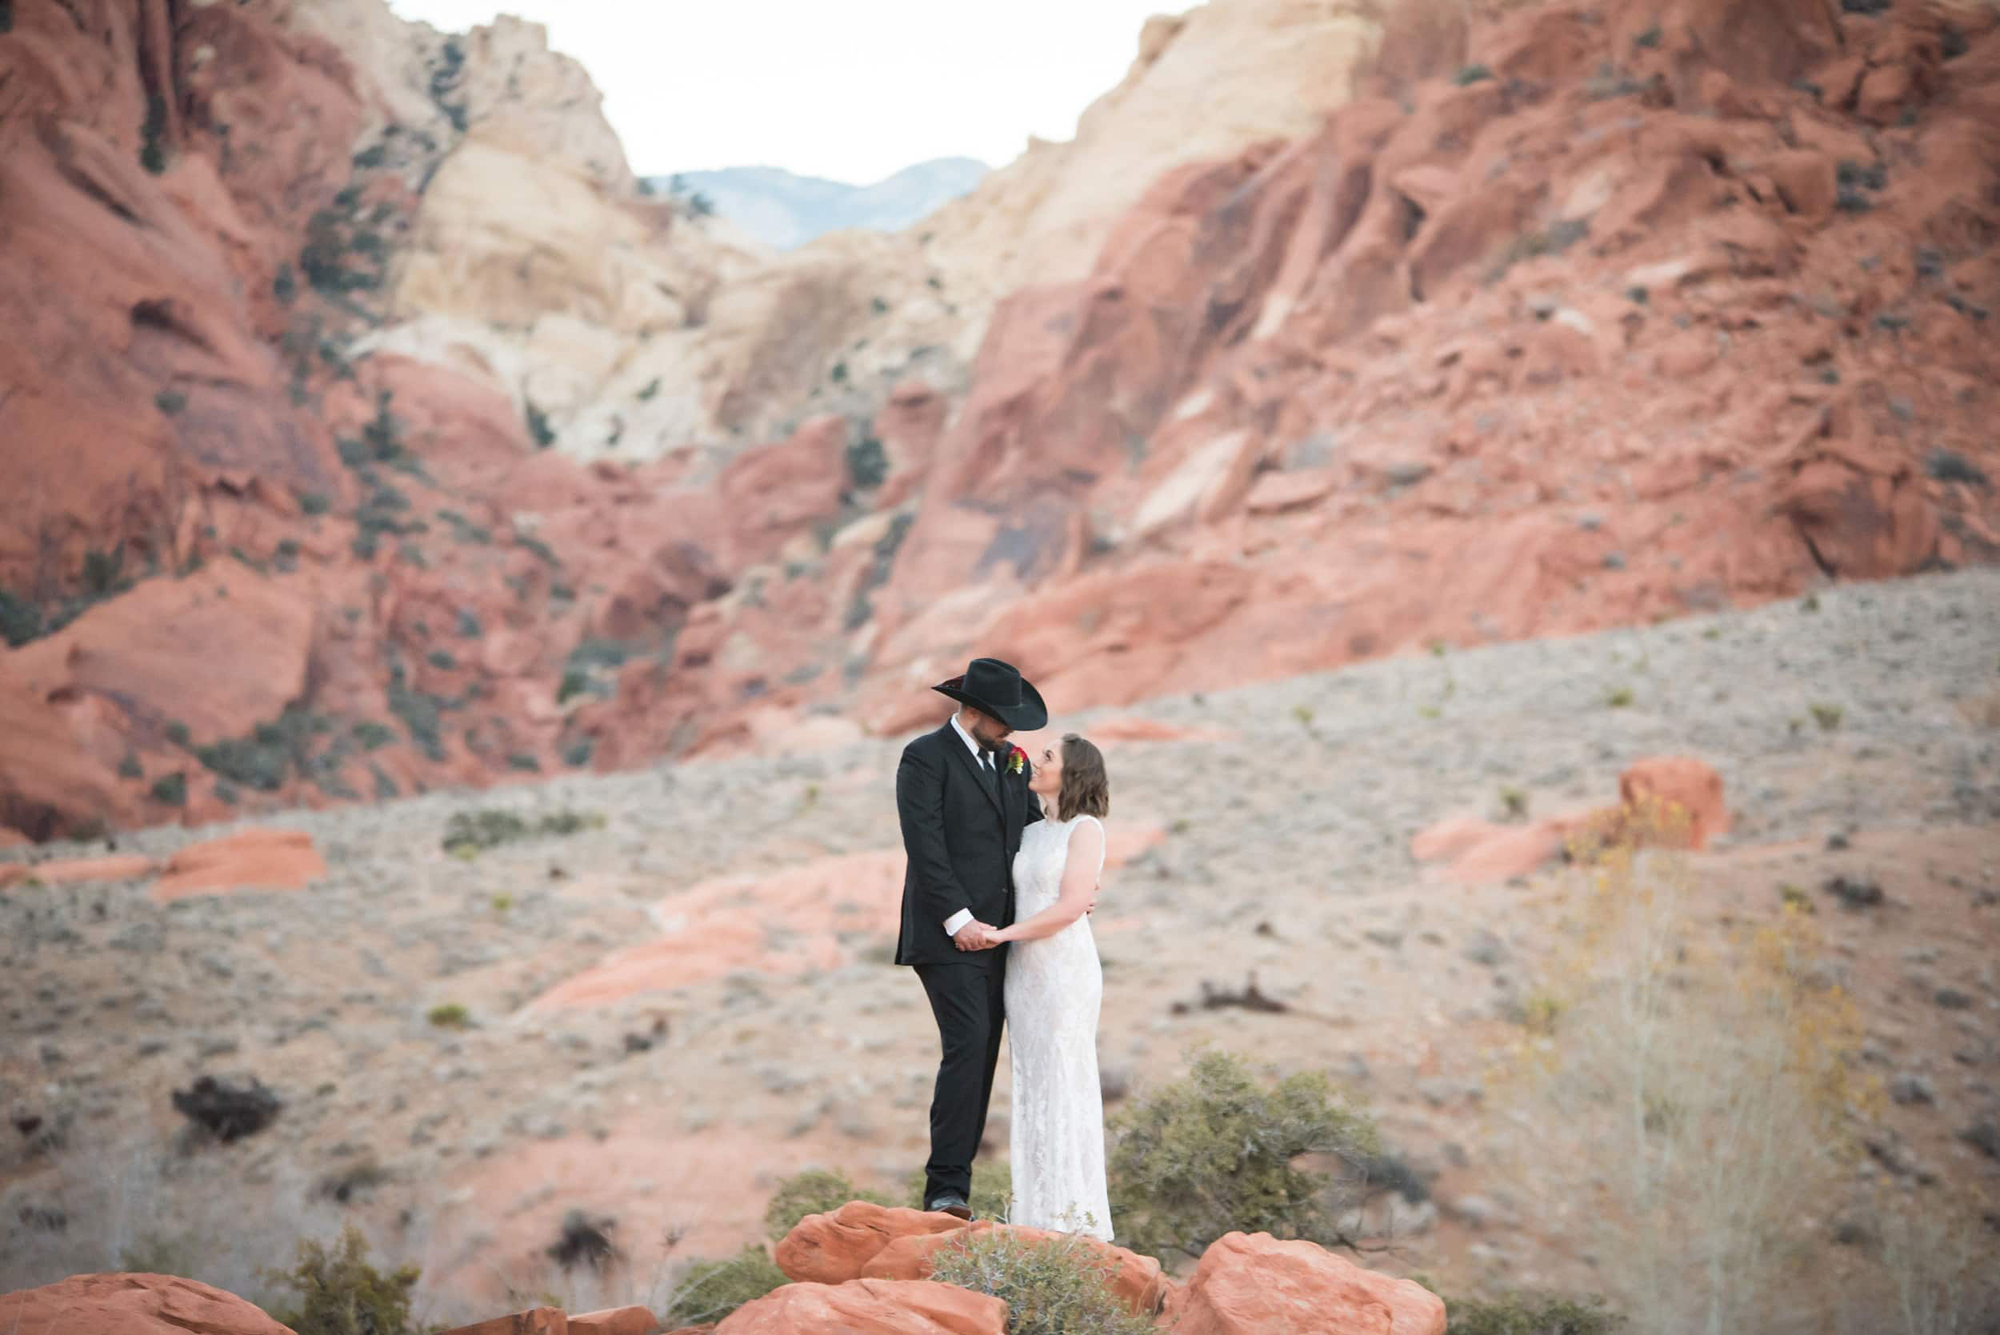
(653, 1018)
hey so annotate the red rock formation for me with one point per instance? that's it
(1686, 792)
(251, 859)
(70, 871)
(1246, 1284)
(615, 1321)
(132, 1305)
(1588, 315)
(1673, 801)
(880, 1306)
(1137, 1280)
(834, 1248)
(534, 1321)
(1613, 318)
(865, 1241)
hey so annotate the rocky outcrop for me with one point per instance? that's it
(1246, 1284)
(635, 327)
(887, 1306)
(1204, 84)
(1575, 319)
(1539, 350)
(133, 1305)
(1663, 801)
(865, 1241)
(246, 860)
(834, 1248)
(251, 859)
(1243, 1283)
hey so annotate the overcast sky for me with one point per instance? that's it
(853, 90)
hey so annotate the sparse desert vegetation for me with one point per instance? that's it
(676, 1102)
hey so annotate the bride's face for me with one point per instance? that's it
(1047, 778)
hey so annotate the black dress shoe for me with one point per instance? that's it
(951, 1205)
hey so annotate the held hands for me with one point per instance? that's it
(978, 936)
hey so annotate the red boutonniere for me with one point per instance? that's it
(1015, 759)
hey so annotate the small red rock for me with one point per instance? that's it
(534, 1321)
(615, 1321)
(252, 859)
(874, 1306)
(1253, 1284)
(126, 1304)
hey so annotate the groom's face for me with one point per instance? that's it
(988, 731)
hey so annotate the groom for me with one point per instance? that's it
(962, 813)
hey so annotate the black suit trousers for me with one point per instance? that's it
(970, 1006)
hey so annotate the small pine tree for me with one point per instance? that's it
(1215, 1153)
(339, 1293)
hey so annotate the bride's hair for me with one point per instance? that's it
(1086, 789)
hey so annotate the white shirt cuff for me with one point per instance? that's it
(957, 921)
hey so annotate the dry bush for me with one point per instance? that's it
(1052, 1286)
(1683, 1113)
(1941, 1264)
(130, 1201)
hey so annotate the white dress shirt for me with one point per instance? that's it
(983, 758)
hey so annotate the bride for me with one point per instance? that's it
(1053, 989)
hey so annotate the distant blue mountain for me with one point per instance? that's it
(785, 210)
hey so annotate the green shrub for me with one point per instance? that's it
(523, 760)
(1827, 716)
(102, 570)
(1618, 697)
(177, 733)
(539, 429)
(130, 768)
(1530, 1313)
(1471, 74)
(1055, 1286)
(470, 833)
(711, 1290)
(577, 754)
(264, 759)
(451, 1015)
(652, 388)
(171, 789)
(992, 1189)
(815, 1191)
(339, 1293)
(372, 735)
(1215, 1152)
(867, 463)
(421, 715)
(170, 401)
(20, 620)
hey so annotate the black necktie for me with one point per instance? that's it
(991, 771)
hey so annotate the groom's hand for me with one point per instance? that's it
(974, 936)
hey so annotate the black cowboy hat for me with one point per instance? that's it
(997, 688)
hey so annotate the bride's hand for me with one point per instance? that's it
(1000, 936)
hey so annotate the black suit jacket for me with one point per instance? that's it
(961, 840)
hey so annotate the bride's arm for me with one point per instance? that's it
(1079, 887)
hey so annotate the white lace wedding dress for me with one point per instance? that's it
(1054, 986)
